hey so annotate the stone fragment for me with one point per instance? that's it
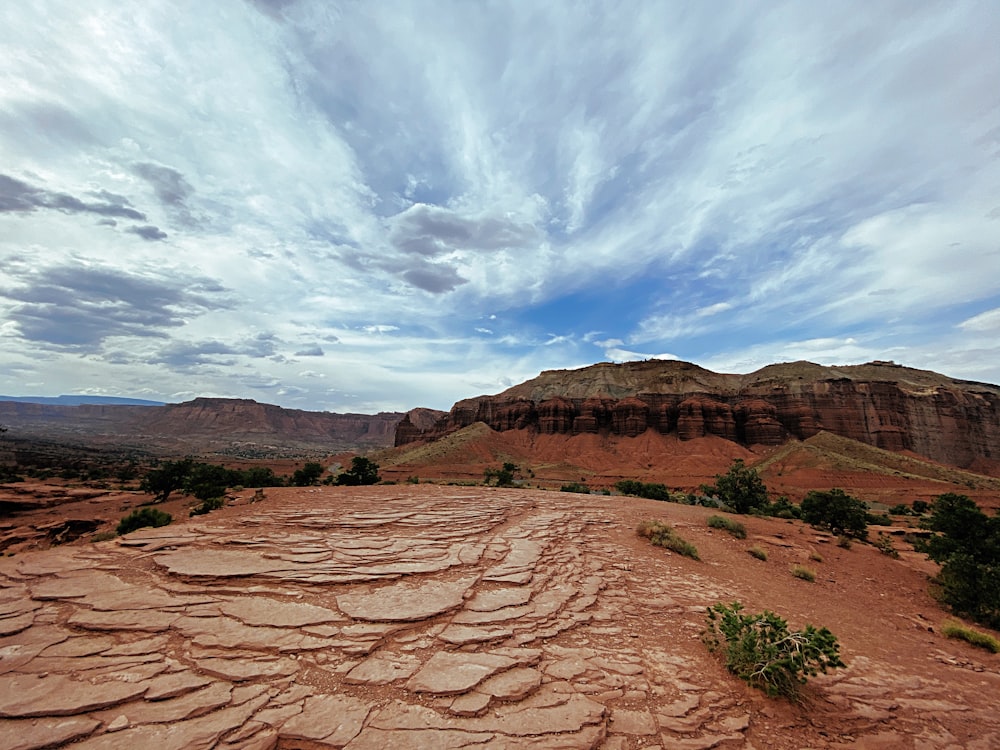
(632, 722)
(472, 703)
(382, 669)
(119, 723)
(332, 720)
(218, 563)
(490, 601)
(373, 738)
(150, 622)
(175, 684)
(460, 635)
(187, 706)
(405, 602)
(274, 613)
(24, 696)
(514, 684)
(449, 672)
(567, 669)
(31, 734)
(239, 669)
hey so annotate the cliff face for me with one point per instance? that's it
(881, 404)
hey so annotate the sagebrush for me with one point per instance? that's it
(662, 535)
(735, 528)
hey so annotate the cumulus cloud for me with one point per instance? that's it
(310, 351)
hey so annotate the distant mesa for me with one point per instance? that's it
(81, 400)
(882, 404)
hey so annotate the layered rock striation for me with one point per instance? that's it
(880, 403)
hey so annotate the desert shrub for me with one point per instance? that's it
(735, 528)
(844, 541)
(920, 507)
(413, 480)
(103, 536)
(308, 475)
(648, 490)
(575, 487)
(141, 518)
(815, 556)
(759, 552)
(884, 545)
(837, 511)
(208, 505)
(971, 635)
(806, 574)
(740, 488)
(662, 535)
(967, 545)
(900, 510)
(761, 650)
(503, 477)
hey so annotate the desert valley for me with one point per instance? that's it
(464, 600)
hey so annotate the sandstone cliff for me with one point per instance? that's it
(879, 403)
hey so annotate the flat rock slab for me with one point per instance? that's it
(279, 614)
(23, 696)
(330, 720)
(449, 673)
(382, 669)
(217, 563)
(405, 602)
(31, 734)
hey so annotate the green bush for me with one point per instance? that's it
(735, 528)
(837, 511)
(970, 635)
(806, 574)
(759, 552)
(363, 471)
(740, 488)
(900, 510)
(761, 650)
(575, 487)
(141, 518)
(661, 535)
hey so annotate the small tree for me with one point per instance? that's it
(308, 475)
(501, 477)
(968, 547)
(363, 471)
(169, 477)
(837, 511)
(740, 488)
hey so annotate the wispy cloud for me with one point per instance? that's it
(415, 195)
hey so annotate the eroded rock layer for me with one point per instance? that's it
(881, 404)
(431, 618)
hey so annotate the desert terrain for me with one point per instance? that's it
(420, 616)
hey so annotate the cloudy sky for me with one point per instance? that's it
(363, 206)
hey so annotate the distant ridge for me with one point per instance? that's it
(82, 400)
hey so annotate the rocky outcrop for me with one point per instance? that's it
(880, 403)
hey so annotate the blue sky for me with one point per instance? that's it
(367, 206)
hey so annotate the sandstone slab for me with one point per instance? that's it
(405, 602)
(449, 673)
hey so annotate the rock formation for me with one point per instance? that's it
(206, 424)
(880, 403)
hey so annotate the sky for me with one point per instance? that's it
(376, 205)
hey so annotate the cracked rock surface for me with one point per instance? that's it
(448, 617)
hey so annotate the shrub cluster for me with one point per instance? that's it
(141, 518)
(662, 535)
(760, 649)
(837, 511)
(202, 480)
(648, 490)
(578, 487)
(806, 574)
(759, 552)
(735, 528)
